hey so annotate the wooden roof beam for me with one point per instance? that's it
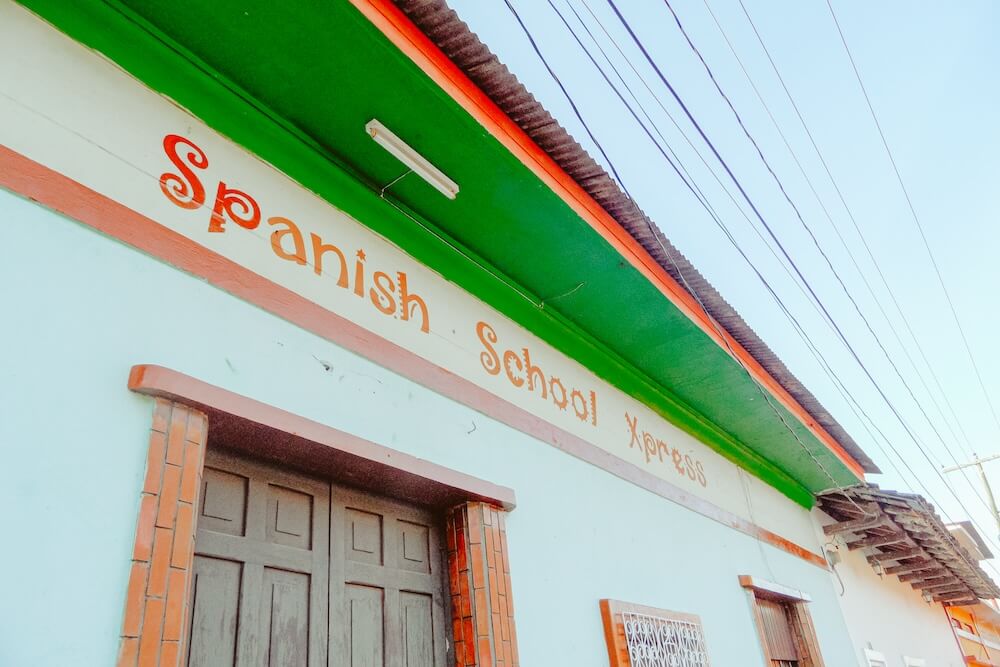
(958, 595)
(879, 540)
(937, 573)
(932, 581)
(896, 555)
(960, 602)
(912, 567)
(947, 588)
(854, 525)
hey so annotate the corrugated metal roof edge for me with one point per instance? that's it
(457, 41)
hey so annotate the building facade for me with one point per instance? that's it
(319, 355)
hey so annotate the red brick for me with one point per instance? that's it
(154, 462)
(466, 595)
(135, 600)
(468, 633)
(503, 552)
(504, 625)
(485, 654)
(478, 567)
(149, 642)
(176, 598)
(180, 555)
(462, 554)
(128, 652)
(167, 508)
(453, 572)
(144, 528)
(192, 472)
(481, 612)
(175, 436)
(488, 533)
(494, 592)
(161, 563)
(475, 528)
(195, 428)
(510, 598)
(495, 622)
(161, 415)
(169, 653)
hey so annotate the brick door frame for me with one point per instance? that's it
(157, 601)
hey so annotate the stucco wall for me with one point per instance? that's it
(81, 309)
(890, 616)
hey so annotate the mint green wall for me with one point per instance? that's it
(81, 309)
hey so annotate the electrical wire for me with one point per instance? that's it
(653, 229)
(656, 234)
(967, 444)
(964, 441)
(916, 218)
(814, 239)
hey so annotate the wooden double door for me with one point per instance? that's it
(290, 571)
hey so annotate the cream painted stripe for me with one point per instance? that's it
(64, 195)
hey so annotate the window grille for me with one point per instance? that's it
(658, 641)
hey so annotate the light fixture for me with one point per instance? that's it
(879, 570)
(928, 598)
(411, 158)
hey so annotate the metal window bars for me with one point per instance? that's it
(658, 641)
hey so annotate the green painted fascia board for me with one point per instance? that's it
(166, 68)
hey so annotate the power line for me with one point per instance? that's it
(851, 402)
(967, 443)
(916, 218)
(805, 225)
(844, 243)
(655, 233)
(757, 213)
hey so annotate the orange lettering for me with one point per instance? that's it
(383, 283)
(186, 190)
(409, 303)
(291, 229)
(489, 358)
(510, 357)
(319, 249)
(238, 205)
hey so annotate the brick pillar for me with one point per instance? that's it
(157, 600)
(482, 608)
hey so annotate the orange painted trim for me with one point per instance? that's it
(409, 39)
(175, 386)
(74, 200)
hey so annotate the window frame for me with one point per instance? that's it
(803, 629)
(614, 628)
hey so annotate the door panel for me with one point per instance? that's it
(285, 614)
(273, 526)
(418, 629)
(365, 618)
(215, 601)
(391, 553)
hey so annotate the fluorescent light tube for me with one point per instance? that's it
(411, 158)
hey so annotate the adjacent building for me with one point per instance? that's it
(901, 571)
(328, 345)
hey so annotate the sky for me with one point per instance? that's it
(930, 69)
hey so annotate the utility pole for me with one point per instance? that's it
(978, 462)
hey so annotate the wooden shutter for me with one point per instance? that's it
(777, 630)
